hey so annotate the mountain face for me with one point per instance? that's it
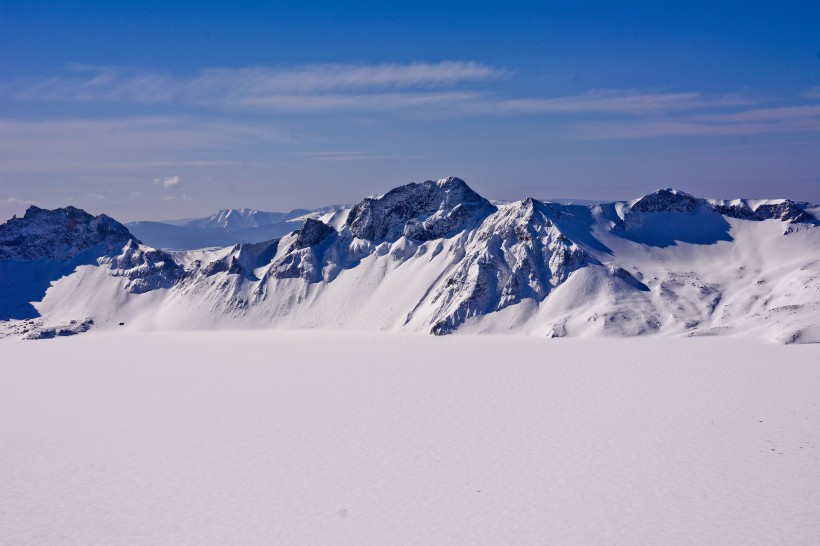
(45, 246)
(518, 253)
(430, 210)
(437, 257)
(58, 234)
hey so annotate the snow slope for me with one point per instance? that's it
(360, 438)
(436, 257)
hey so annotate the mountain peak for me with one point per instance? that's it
(313, 232)
(59, 234)
(667, 200)
(451, 181)
(420, 210)
(69, 211)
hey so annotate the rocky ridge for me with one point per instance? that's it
(59, 234)
(423, 211)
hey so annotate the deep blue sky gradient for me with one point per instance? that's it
(738, 57)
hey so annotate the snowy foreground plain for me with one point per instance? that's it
(280, 437)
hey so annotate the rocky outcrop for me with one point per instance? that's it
(667, 200)
(420, 211)
(59, 234)
(785, 210)
(145, 268)
(313, 232)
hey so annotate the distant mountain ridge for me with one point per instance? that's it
(437, 257)
(223, 228)
(244, 218)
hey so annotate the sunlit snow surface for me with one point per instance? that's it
(352, 438)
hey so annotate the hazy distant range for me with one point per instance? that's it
(225, 227)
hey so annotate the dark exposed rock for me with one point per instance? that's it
(671, 200)
(59, 234)
(312, 233)
(622, 273)
(146, 268)
(74, 327)
(667, 200)
(421, 211)
(230, 266)
(785, 210)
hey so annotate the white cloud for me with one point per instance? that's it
(170, 182)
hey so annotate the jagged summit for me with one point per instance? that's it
(59, 234)
(780, 209)
(420, 211)
(313, 232)
(673, 200)
(667, 200)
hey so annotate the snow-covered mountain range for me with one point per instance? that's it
(436, 257)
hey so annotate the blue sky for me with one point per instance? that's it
(160, 110)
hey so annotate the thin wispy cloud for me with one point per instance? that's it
(812, 93)
(235, 115)
(251, 85)
(619, 101)
(455, 86)
(751, 122)
(346, 156)
(775, 115)
(16, 201)
(125, 144)
(378, 102)
(177, 197)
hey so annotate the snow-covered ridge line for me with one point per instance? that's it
(226, 227)
(672, 200)
(251, 218)
(437, 257)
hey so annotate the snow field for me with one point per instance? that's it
(315, 437)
